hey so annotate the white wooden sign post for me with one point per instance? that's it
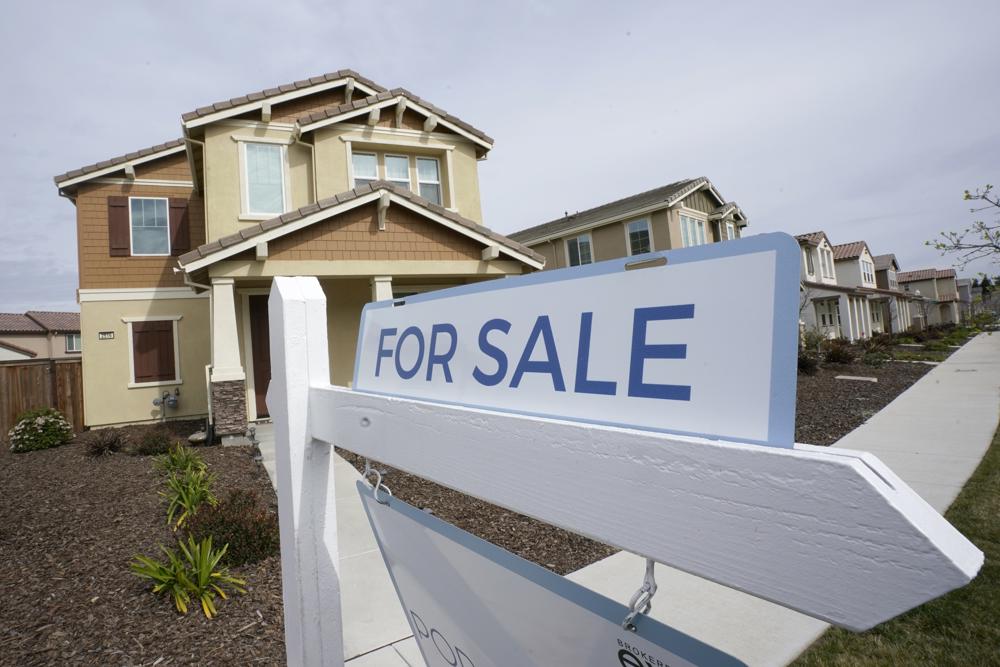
(609, 402)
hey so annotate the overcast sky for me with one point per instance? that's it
(866, 120)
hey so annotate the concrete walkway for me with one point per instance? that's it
(933, 436)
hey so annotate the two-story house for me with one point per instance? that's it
(373, 191)
(855, 269)
(936, 295)
(39, 334)
(893, 303)
(679, 215)
(824, 304)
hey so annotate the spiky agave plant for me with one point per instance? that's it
(192, 572)
(178, 459)
(186, 491)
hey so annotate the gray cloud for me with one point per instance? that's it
(867, 120)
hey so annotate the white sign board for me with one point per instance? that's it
(703, 343)
(472, 604)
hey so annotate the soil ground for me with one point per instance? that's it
(70, 524)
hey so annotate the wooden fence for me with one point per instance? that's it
(25, 385)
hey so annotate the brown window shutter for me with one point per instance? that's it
(118, 231)
(153, 351)
(180, 227)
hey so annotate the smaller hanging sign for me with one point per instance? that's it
(472, 604)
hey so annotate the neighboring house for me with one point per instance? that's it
(825, 304)
(891, 300)
(39, 334)
(936, 293)
(679, 215)
(373, 191)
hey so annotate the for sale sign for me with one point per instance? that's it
(697, 341)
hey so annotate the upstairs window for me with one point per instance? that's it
(692, 231)
(429, 179)
(264, 178)
(365, 168)
(638, 237)
(892, 280)
(578, 250)
(150, 227)
(826, 262)
(73, 342)
(810, 267)
(397, 170)
(730, 231)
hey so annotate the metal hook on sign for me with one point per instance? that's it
(377, 484)
(642, 600)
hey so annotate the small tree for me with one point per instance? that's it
(981, 239)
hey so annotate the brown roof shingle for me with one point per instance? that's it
(945, 273)
(56, 321)
(120, 160)
(666, 194)
(333, 111)
(812, 238)
(278, 90)
(919, 274)
(851, 250)
(252, 231)
(884, 262)
(18, 323)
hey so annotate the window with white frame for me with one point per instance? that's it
(868, 271)
(150, 226)
(892, 279)
(578, 250)
(692, 231)
(264, 178)
(639, 240)
(730, 230)
(828, 312)
(810, 267)
(397, 170)
(826, 262)
(73, 342)
(429, 179)
(365, 167)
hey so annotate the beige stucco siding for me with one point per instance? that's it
(44, 345)
(224, 176)
(609, 241)
(344, 300)
(106, 396)
(662, 234)
(97, 268)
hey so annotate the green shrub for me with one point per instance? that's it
(152, 442)
(875, 359)
(905, 340)
(875, 345)
(39, 429)
(807, 364)
(936, 346)
(242, 522)
(837, 352)
(178, 459)
(812, 340)
(104, 441)
(192, 573)
(186, 491)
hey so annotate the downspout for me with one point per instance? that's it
(297, 139)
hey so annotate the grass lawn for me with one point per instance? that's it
(961, 628)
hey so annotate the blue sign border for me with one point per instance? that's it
(653, 631)
(785, 328)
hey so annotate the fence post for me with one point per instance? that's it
(310, 568)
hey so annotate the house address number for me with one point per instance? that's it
(105, 335)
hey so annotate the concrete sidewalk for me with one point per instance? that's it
(933, 436)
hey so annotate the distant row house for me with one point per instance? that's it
(847, 292)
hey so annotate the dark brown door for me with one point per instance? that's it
(260, 348)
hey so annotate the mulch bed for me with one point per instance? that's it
(70, 524)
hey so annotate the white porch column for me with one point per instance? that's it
(381, 288)
(846, 319)
(226, 363)
(866, 313)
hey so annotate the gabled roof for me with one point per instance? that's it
(18, 323)
(20, 350)
(851, 250)
(885, 262)
(116, 163)
(813, 238)
(288, 90)
(342, 112)
(919, 274)
(729, 208)
(661, 197)
(247, 238)
(56, 321)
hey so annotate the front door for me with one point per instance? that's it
(260, 349)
